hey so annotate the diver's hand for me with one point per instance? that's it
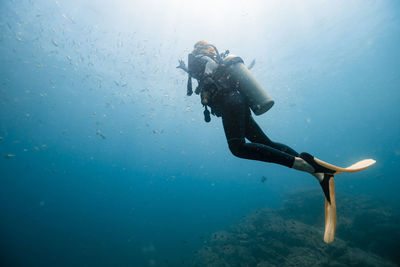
(252, 64)
(182, 65)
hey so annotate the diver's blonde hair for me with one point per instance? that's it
(203, 47)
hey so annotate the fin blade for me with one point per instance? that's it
(358, 166)
(361, 165)
(330, 214)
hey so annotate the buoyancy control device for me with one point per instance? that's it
(230, 73)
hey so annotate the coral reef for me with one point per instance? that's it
(292, 236)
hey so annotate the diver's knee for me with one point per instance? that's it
(235, 147)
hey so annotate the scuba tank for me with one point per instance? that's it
(233, 74)
(230, 74)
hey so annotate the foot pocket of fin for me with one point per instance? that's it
(317, 168)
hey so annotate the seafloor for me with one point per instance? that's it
(367, 235)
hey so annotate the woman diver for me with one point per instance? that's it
(225, 92)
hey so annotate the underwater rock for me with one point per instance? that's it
(293, 236)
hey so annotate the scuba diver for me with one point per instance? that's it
(226, 86)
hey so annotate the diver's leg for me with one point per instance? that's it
(256, 135)
(234, 118)
(301, 162)
(235, 136)
(260, 152)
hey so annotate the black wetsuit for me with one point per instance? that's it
(239, 124)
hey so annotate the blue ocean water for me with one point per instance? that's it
(106, 161)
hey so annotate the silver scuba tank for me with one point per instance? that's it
(234, 74)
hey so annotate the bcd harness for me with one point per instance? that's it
(206, 68)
